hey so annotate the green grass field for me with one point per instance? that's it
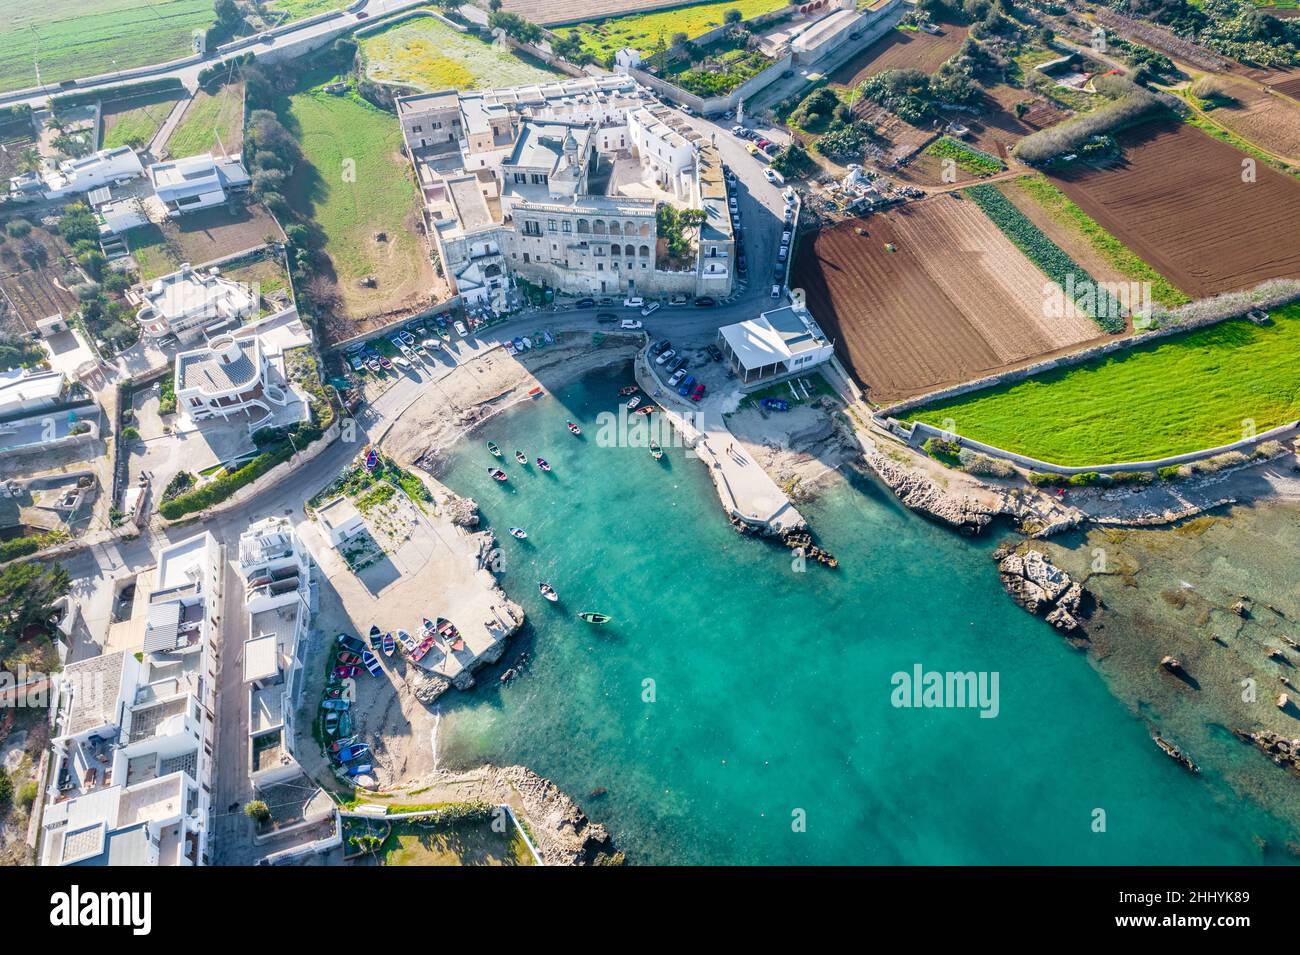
(1182, 394)
(76, 38)
(428, 54)
(298, 9)
(209, 114)
(641, 31)
(137, 125)
(356, 183)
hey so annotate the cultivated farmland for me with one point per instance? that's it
(428, 54)
(1182, 394)
(77, 38)
(1178, 201)
(930, 295)
(354, 187)
(902, 49)
(32, 280)
(641, 31)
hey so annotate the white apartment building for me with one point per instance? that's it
(29, 389)
(783, 341)
(276, 570)
(187, 301)
(132, 731)
(559, 184)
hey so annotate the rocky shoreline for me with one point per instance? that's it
(920, 494)
(562, 831)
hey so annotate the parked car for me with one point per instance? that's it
(752, 149)
(687, 110)
(732, 202)
(661, 346)
(677, 376)
(769, 174)
(631, 324)
(761, 143)
(714, 352)
(785, 238)
(461, 330)
(685, 387)
(678, 362)
(585, 303)
(606, 318)
(665, 356)
(698, 393)
(265, 38)
(788, 196)
(635, 301)
(741, 265)
(705, 301)
(678, 298)
(772, 148)
(776, 291)
(737, 130)
(649, 310)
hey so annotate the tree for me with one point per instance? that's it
(28, 592)
(732, 16)
(678, 39)
(18, 228)
(228, 15)
(257, 811)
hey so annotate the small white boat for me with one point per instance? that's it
(633, 402)
(548, 592)
(519, 533)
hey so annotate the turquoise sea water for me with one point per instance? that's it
(770, 700)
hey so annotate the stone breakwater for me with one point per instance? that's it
(1044, 589)
(563, 833)
(920, 494)
(1282, 751)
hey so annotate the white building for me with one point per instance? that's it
(560, 184)
(116, 216)
(340, 520)
(185, 302)
(627, 59)
(226, 378)
(828, 34)
(28, 389)
(132, 732)
(196, 182)
(82, 175)
(276, 570)
(784, 341)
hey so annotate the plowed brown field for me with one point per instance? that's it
(901, 49)
(1177, 199)
(954, 301)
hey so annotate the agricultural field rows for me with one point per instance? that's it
(75, 38)
(929, 295)
(1154, 400)
(1048, 256)
(1182, 203)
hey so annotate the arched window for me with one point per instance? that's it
(645, 228)
(615, 229)
(629, 228)
(629, 251)
(584, 225)
(645, 250)
(598, 227)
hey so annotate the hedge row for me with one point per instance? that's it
(22, 546)
(1103, 308)
(121, 91)
(216, 491)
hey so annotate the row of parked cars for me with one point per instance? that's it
(675, 364)
(758, 143)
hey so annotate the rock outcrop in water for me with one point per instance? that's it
(564, 834)
(1282, 751)
(924, 496)
(1042, 588)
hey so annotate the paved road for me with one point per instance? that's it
(188, 73)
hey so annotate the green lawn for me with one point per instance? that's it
(1169, 397)
(298, 9)
(428, 54)
(641, 31)
(210, 115)
(155, 255)
(69, 39)
(354, 184)
(137, 125)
